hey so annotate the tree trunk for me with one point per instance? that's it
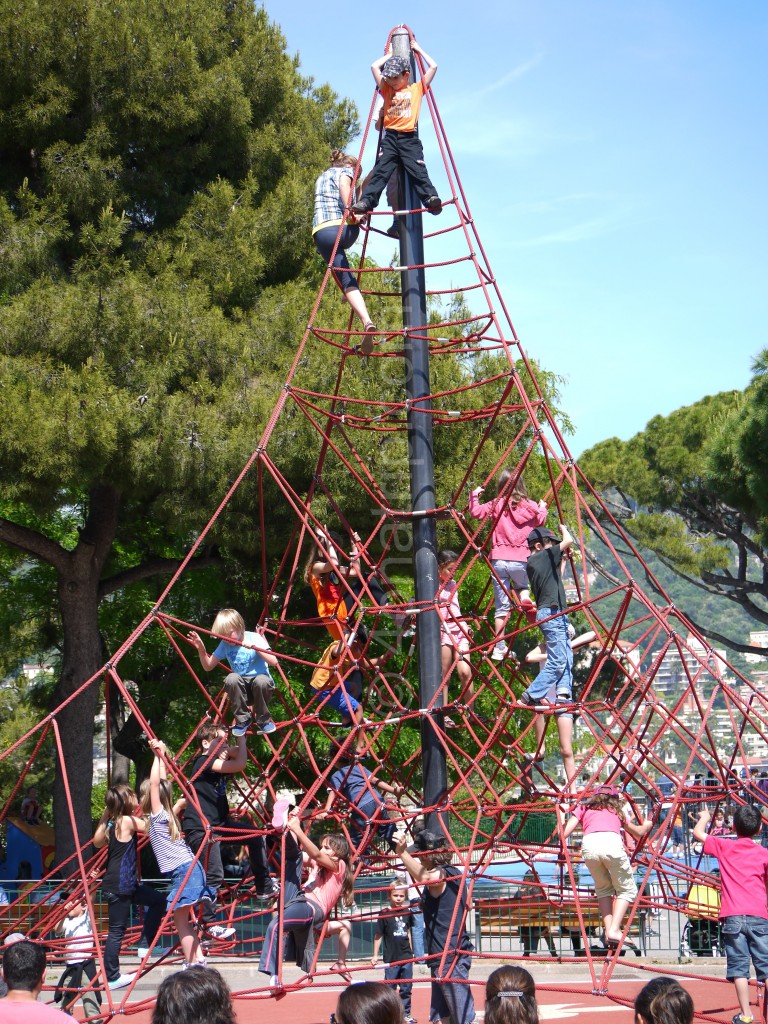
(78, 590)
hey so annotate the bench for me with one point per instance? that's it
(507, 916)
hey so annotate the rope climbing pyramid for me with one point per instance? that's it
(409, 669)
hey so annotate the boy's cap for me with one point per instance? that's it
(427, 840)
(539, 535)
(395, 66)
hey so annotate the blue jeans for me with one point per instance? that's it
(402, 973)
(745, 937)
(557, 670)
(325, 239)
(451, 994)
(417, 931)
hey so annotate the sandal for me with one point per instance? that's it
(340, 967)
(366, 346)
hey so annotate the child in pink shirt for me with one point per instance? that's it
(513, 515)
(744, 903)
(454, 635)
(602, 819)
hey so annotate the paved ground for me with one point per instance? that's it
(564, 992)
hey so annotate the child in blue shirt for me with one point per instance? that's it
(249, 682)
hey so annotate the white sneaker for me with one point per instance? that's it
(499, 653)
(195, 963)
(220, 931)
(122, 982)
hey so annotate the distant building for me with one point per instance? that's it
(757, 639)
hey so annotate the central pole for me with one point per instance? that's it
(422, 478)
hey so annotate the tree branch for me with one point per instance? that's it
(156, 567)
(33, 543)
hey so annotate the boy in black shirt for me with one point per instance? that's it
(208, 777)
(544, 576)
(394, 926)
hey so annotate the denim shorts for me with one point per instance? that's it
(193, 890)
(745, 937)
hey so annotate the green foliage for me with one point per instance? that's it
(691, 488)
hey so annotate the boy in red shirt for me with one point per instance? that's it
(400, 144)
(744, 901)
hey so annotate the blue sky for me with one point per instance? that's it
(613, 154)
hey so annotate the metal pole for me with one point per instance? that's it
(422, 474)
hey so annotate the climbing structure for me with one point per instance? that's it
(489, 411)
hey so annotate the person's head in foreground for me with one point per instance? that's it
(510, 997)
(369, 1002)
(663, 1001)
(197, 994)
(23, 969)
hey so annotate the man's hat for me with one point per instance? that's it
(427, 840)
(395, 66)
(540, 534)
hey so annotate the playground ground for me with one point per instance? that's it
(564, 992)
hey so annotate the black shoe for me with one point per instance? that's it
(394, 232)
(434, 204)
(360, 208)
(270, 892)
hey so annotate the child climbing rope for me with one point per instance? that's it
(454, 635)
(118, 828)
(333, 192)
(602, 818)
(400, 144)
(307, 909)
(174, 857)
(250, 658)
(513, 515)
(361, 791)
(545, 577)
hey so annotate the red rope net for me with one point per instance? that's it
(489, 409)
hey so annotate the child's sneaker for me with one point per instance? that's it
(738, 1019)
(270, 891)
(241, 728)
(360, 208)
(499, 652)
(220, 932)
(280, 813)
(267, 728)
(410, 1020)
(394, 232)
(434, 204)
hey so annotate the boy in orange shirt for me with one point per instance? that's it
(400, 144)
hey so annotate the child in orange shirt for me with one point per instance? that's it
(400, 144)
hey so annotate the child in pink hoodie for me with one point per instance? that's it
(514, 515)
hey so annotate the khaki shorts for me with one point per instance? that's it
(608, 863)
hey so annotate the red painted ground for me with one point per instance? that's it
(569, 1000)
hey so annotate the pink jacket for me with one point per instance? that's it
(511, 524)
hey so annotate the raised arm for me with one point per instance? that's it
(320, 567)
(378, 64)
(231, 759)
(321, 857)
(156, 775)
(429, 74)
(206, 660)
(567, 540)
(700, 828)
